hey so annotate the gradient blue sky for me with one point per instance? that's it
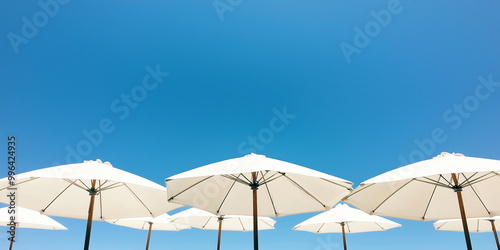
(410, 91)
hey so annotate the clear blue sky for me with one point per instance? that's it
(352, 89)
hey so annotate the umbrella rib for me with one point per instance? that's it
(270, 197)
(271, 177)
(479, 198)
(64, 190)
(320, 227)
(111, 186)
(449, 182)
(388, 197)
(348, 228)
(265, 222)
(241, 223)
(85, 186)
(236, 178)
(262, 175)
(100, 199)
(435, 182)
(467, 179)
(432, 182)
(381, 227)
(204, 225)
(225, 196)
(357, 190)
(480, 178)
(303, 190)
(100, 187)
(171, 198)
(138, 199)
(21, 182)
(430, 198)
(337, 184)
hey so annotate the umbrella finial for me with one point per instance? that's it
(89, 161)
(98, 161)
(254, 155)
(446, 154)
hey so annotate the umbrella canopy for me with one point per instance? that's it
(76, 190)
(354, 220)
(285, 188)
(476, 225)
(444, 187)
(344, 219)
(162, 222)
(206, 220)
(256, 185)
(26, 218)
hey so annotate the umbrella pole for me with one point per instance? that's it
(462, 211)
(219, 233)
(12, 241)
(91, 215)
(254, 187)
(149, 234)
(493, 228)
(343, 235)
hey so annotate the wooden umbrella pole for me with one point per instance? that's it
(343, 235)
(13, 237)
(219, 234)
(462, 212)
(91, 215)
(254, 187)
(149, 234)
(493, 228)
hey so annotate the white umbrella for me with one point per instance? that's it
(162, 222)
(344, 219)
(26, 218)
(284, 188)
(476, 225)
(76, 190)
(206, 220)
(444, 187)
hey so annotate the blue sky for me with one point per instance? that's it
(352, 89)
